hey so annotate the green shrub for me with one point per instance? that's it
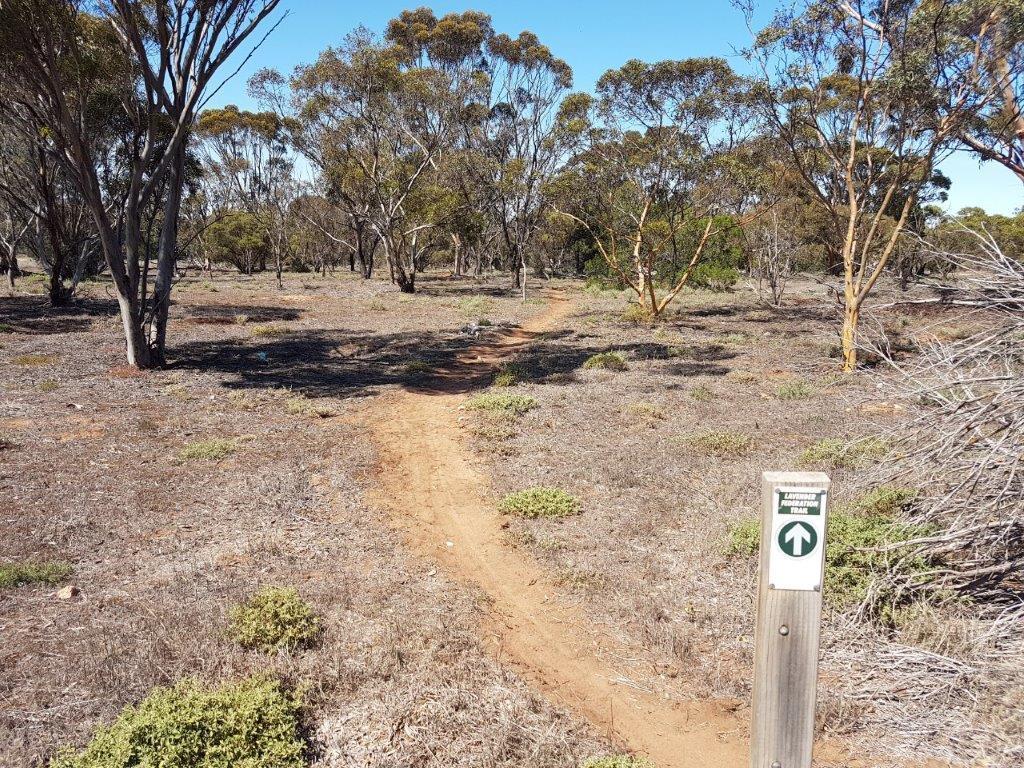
(21, 574)
(744, 537)
(417, 367)
(702, 393)
(722, 443)
(540, 502)
(508, 376)
(508, 404)
(856, 534)
(844, 454)
(274, 618)
(794, 390)
(475, 305)
(611, 361)
(852, 559)
(714, 277)
(48, 386)
(208, 450)
(617, 761)
(608, 361)
(269, 330)
(735, 339)
(255, 723)
(884, 501)
(637, 314)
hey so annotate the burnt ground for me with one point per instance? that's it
(161, 547)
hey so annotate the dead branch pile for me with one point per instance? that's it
(965, 449)
(955, 592)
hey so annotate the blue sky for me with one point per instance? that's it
(592, 37)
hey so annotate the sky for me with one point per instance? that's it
(592, 37)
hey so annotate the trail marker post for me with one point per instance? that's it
(793, 522)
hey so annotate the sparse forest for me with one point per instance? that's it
(405, 404)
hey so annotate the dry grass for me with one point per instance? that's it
(653, 493)
(33, 360)
(161, 560)
(722, 443)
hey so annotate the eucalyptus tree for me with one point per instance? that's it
(18, 208)
(658, 152)
(521, 136)
(157, 70)
(44, 211)
(867, 98)
(249, 163)
(375, 116)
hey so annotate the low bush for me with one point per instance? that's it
(714, 277)
(637, 314)
(844, 454)
(702, 393)
(853, 556)
(617, 761)
(735, 339)
(607, 361)
(269, 330)
(540, 502)
(744, 538)
(272, 619)
(501, 403)
(508, 375)
(417, 367)
(794, 390)
(22, 574)
(208, 450)
(48, 386)
(722, 443)
(884, 501)
(255, 723)
(475, 305)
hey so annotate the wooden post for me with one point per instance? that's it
(793, 524)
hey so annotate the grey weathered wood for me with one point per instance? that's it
(785, 665)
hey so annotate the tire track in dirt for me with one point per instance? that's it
(429, 482)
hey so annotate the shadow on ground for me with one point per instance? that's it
(32, 314)
(322, 364)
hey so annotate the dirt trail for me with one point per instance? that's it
(429, 481)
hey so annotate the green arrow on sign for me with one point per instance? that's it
(798, 538)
